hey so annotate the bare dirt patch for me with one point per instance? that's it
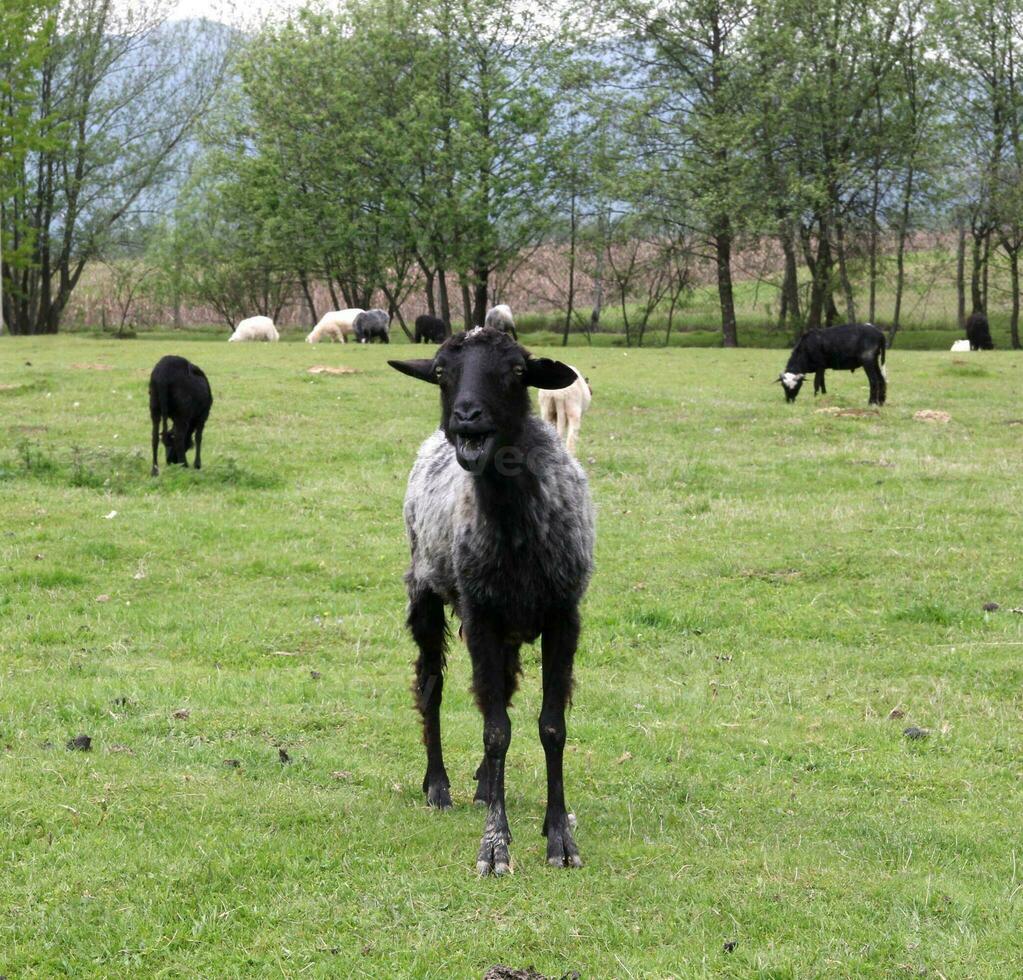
(92, 367)
(932, 415)
(327, 369)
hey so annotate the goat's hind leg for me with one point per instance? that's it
(873, 373)
(429, 629)
(560, 637)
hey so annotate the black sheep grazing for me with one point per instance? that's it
(500, 526)
(431, 330)
(978, 332)
(844, 348)
(179, 391)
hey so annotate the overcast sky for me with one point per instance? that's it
(239, 12)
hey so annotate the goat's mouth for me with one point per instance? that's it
(473, 450)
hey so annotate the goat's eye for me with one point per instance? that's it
(519, 370)
(438, 373)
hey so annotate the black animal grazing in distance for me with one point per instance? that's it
(372, 325)
(978, 332)
(179, 391)
(844, 348)
(500, 526)
(431, 329)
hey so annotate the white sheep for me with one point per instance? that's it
(500, 318)
(564, 407)
(337, 324)
(959, 346)
(255, 328)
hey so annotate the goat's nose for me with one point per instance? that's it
(466, 413)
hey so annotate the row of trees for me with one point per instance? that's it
(432, 145)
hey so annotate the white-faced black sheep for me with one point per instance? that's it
(373, 325)
(179, 391)
(501, 528)
(843, 348)
(431, 329)
(978, 332)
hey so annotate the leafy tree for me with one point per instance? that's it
(118, 91)
(26, 27)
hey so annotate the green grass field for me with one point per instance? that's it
(773, 581)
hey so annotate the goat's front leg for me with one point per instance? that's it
(560, 637)
(818, 383)
(490, 657)
(429, 629)
(180, 433)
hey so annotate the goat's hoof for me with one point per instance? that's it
(438, 796)
(561, 849)
(155, 471)
(493, 857)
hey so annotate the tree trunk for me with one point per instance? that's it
(976, 295)
(843, 273)
(961, 278)
(570, 306)
(482, 292)
(442, 291)
(726, 297)
(1014, 317)
(986, 268)
(900, 254)
(466, 305)
(304, 280)
(820, 269)
(598, 279)
(431, 303)
(790, 283)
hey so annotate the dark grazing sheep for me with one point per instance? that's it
(179, 391)
(500, 526)
(978, 332)
(843, 348)
(373, 325)
(431, 329)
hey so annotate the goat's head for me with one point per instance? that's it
(791, 383)
(172, 453)
(483, 377)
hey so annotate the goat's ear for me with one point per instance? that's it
(421, 370)
(542, 372)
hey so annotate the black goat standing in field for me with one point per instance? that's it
(843, 348)
(431, 329)
(179, 391)
(978, 332)
(500, 526)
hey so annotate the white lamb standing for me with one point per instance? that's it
(564, 408)
(255, 328)
(337, 324)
